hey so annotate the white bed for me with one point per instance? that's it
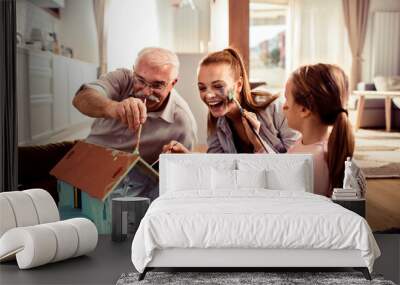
(241, 210)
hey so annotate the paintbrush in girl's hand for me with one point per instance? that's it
(231, 97)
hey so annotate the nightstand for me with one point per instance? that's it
(355, 205)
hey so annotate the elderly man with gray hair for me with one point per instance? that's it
(124, 99)
(121, 100)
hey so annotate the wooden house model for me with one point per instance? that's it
(89, 176)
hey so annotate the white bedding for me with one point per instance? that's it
(252, 218)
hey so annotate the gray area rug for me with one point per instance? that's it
(378, 153)
(390, 170)
(228, 278)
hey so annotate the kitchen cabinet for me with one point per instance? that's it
(40, 94)
(61, 99)
(46, 85)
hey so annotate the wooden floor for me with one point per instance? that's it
(383, 203)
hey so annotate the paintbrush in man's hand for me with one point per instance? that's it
(136, 150)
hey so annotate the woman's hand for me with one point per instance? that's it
(175, 147)
(250, 123)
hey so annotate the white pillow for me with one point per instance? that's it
(226, 179)
(281, 174)
(251, 178)
(183, 177)
(223, 179)
(293, 180)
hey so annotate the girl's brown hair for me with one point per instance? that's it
(231, 57)
(323, 89)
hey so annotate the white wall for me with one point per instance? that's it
(187, 87)
(183, 29)
(375, 5)
(131, 28)
(219, 25)
(205, 22)
(166, 23)
(78, 30)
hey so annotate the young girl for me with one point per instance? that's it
(221, 73)
(316, 96)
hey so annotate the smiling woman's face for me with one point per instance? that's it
(214, 81)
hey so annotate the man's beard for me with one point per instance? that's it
(151, 97)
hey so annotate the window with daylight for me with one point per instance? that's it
(267, 42)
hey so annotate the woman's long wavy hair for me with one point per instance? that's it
(231, 57)
(323, 89)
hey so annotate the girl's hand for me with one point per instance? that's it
(175, 147)
(250, 122)
(252, 119)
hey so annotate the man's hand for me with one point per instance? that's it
(174, 147)
(131, 111)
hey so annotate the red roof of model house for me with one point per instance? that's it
(97, 170)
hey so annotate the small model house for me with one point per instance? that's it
(89, 176)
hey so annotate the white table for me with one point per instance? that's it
(388, 95)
